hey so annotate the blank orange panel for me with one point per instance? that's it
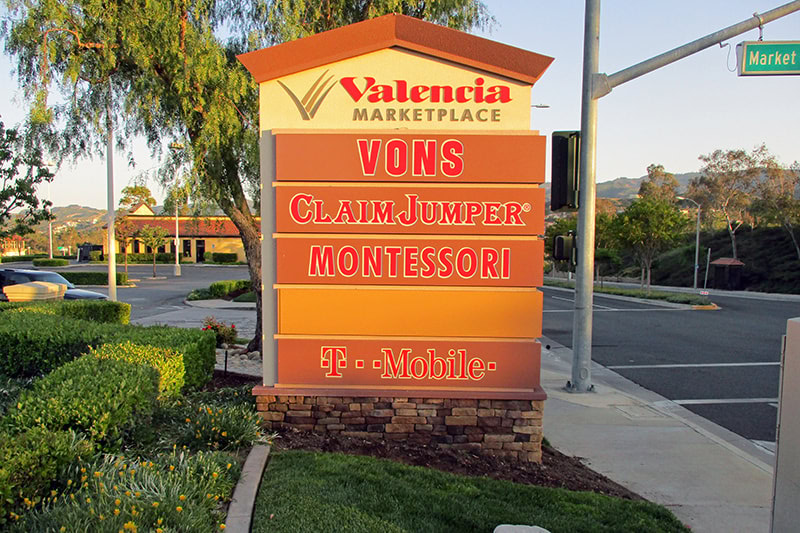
(443, 312)
(367, 260)
(394, 363)
(410, 209)
(411, 157)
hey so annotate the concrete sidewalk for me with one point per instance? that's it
(711, 478)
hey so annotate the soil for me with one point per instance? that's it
(556, 470)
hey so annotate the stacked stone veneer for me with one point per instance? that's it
(507, 428)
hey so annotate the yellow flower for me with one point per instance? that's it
(159, 530)
(88, 500)
(214, 475)
(137, 493)
(127, 493)
(209, 496)
(62, 529)
(102, 517)
(129, 526)
(159, 521)
(116, 512)
(83, 470)
(222, 526)
(53, 492)
(229, 466)
(224, 433)
(117, 501)
(98, 474)
(155, 504)
(171, 468)
(179, 508)
(182, 497)
(69, 482)
(188, 420)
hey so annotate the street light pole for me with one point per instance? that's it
(696, 239)
(177, 271)
(50, 221)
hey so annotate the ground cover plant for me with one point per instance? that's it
(338, 492)
(93, 278)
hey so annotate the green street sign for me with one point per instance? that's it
(768, 58)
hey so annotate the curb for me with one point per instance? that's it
(240, 510)
(710, 307)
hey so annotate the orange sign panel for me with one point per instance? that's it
(387, 260)
(409, 208)
(410, 157)
(396, 363)
(408, 311)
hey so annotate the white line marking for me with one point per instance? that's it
(767, 445)
(725, 401)
(562, 299)
(775, 405)
(694, 365)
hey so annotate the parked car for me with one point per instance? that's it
(12, 276)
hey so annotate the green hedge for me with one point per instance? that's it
(136, 258)
(34, 344)
(93, 310)
(31, 461)
(46, 262)
(218, 289)
(19, 258)
(222, 257)
(101, 398)
(166, 361)
(93, 278)
(95, 255)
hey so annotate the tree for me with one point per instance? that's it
(659, 184)
(647, 227)
(777, 193)
(20, 172)
(724, 187)
(153, 237)
(135, 195)
(174, 78)
(124, 232)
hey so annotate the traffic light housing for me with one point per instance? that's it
(565, 170)
(564, 248)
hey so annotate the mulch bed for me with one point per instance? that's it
(556, 470)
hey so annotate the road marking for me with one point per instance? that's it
(775, 405)
(693, 365)
(562, 299)
(767, 445)
(724, 401)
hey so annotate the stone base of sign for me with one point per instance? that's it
(509, 428)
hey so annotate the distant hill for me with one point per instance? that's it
(627, 188)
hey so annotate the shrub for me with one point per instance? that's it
(31, 462)
(93, 310)
(101, 398)
(167, 362)
(93, 278)
(19, 258)
(224, 334)
(222, 257)
(218, 289)
(95, 255)
(137, 257)
(46, 262)
(32, 345)
(171, 493)
(220, 428)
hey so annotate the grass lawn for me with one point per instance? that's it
(306, 491)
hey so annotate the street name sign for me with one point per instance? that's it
(768, 58)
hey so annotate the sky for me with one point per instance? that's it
(670, 116)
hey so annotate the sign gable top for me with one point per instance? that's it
(390, 31)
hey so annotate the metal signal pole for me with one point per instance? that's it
(595, 86)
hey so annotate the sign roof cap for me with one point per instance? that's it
(395, 31)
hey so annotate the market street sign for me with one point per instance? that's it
(768, 58)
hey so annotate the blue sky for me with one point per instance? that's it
(670, 116)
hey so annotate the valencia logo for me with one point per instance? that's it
(311, 101)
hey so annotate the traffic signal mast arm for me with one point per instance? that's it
(603, 84)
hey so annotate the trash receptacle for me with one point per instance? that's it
(728, 274)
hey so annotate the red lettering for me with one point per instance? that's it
(354, 92)
(466, 255)
(479, 90)
(476, 369)
(345, 212)
(372, 261)
(491, 218)
(452, 161)
(347, 261)
(489, 259)
(513, 214)
(473, 210)
(369, 152)
(402, 90)
(441, 93)
(445, 261)
(382, 212)
(461, 94)
(417, 92)
(395, 368)
(424, 154)
(396, 157)
(321, 261)
(429, 267)
(421, 364)
(333, 358)
(410, 258)
(394, 254)
(319, 213)
(506, 263)
(437, 365)
(294, 208)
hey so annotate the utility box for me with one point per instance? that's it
(786, 491)
(35, 291)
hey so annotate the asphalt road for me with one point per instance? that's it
(152, 297)
(722, 365)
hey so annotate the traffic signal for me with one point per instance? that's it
(565, 168)
(564, 248)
